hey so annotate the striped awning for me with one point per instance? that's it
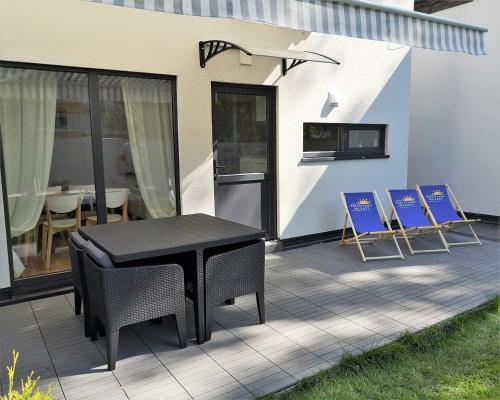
(74, 86)
(353, 18)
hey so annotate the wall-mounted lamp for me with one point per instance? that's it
(332, 101)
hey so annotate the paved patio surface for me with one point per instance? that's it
(321, 301)
(485, 230)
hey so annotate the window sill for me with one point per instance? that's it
(342, 158)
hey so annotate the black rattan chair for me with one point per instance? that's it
(231, 272)
(125, 296)
(76, 251)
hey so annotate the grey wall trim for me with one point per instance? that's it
(494, 219)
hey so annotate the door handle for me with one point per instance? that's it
(216, 168)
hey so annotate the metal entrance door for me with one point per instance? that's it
(244, 137)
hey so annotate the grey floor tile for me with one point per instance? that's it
(266, 381)
(275, 386)
(311, 370)
(222, 392)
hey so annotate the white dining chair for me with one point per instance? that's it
(85, 189)
(87, 193)
(54, 189)
(60, 205)
(115, 198)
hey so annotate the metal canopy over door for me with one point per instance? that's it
(244, 137)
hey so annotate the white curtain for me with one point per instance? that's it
(148, 107)
(27, 121)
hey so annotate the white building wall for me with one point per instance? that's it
(371, 84)
(455, 115)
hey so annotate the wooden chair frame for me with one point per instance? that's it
(449, 224)
(379, 235)
(48, 231)
(420, 230)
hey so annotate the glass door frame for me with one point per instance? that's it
(62, 280)
(270, 211)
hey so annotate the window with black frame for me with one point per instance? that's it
(343, 141)
(49, 162)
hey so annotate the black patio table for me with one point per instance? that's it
(139, 241)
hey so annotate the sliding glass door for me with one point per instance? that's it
(47, 152)
(137, 137)
(54, 151)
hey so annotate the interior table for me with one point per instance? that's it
(140, 241)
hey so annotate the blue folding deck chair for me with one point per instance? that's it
(362, 212)
(437, 202)
(407, 209)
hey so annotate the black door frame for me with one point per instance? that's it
(56, 280)
(270, 93)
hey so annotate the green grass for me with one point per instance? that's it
(456, 359)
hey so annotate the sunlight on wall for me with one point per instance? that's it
(372, 86)
(457, 109)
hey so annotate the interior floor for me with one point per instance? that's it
(29, 253)
(59, 262)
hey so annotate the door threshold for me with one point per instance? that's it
(273, 246)
(21, 298)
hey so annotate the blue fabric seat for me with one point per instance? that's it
(410, 216)
(438, 200)
(407, 205)
(362, 211)
(436, 197)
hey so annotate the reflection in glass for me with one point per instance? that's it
(46, 136)
(337, 140)
(241, 129)
(44, 117)
(137, 131)
(322, 137)
(359, 138)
